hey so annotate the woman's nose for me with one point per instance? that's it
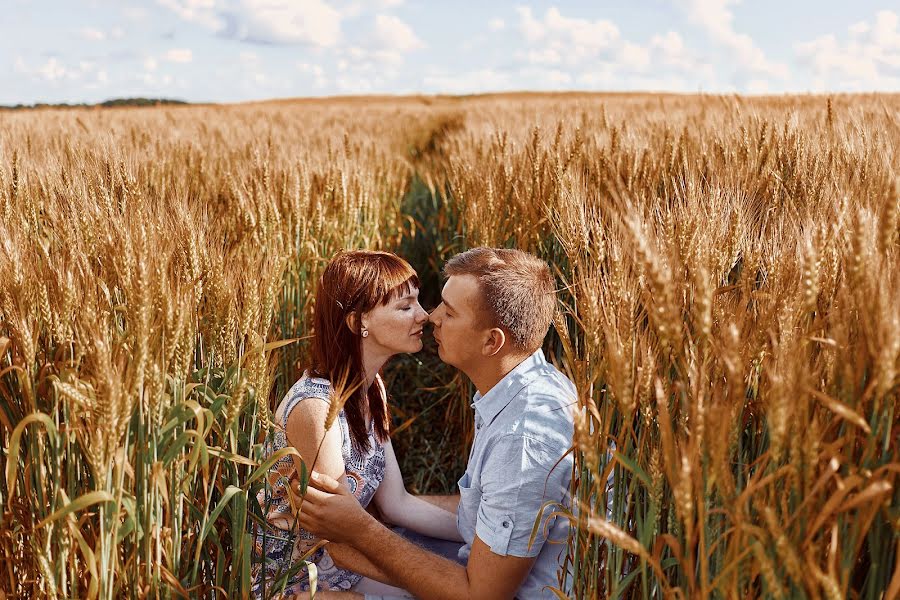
(422, 316)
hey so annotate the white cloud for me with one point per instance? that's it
(635, 57)
(56, 71)
(716, 18)
(179, 55)
(868, 60)
(496, 24)
(52, 70)
(135, 13)
(317, 73)
(152, 80)
(311, 22)
(94, 35)
(392, 34)
(544, 56)
(531, 28)
(859, 28)
(673, 51)
(202, 12)
(150, 63)
(577, 39)
(594, 54)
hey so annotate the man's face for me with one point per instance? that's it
(459, 324)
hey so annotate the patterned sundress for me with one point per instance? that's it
(283, 549)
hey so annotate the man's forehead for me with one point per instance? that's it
(461, 291)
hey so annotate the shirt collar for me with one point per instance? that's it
(498, 397)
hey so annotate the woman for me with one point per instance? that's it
(366, 311)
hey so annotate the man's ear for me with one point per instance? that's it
(494, 343)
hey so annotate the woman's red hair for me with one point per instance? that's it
(353, 283)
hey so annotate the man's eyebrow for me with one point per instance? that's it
(447, 304)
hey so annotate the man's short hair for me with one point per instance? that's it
(518, 291)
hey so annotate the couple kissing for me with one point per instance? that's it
(496, 308)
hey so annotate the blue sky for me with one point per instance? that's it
(238, 50)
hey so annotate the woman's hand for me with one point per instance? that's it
(281, 520)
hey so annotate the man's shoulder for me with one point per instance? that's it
(545, 410)
(549, 390)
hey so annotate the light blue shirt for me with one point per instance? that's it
(519, 461)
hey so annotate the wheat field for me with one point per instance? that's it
(729, 284)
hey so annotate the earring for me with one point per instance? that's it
(365, 332)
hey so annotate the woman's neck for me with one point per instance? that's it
(372, 363)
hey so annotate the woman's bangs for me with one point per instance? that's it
(399, 280)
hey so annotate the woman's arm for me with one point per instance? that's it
(402, 508)
(449, 503)
(305, 431)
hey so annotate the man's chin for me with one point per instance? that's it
(443, 356)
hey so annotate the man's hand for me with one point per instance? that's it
(331, 512)
(327, 595)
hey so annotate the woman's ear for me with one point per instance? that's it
(352, 321)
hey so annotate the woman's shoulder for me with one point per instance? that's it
(307, 387)
(310, 386)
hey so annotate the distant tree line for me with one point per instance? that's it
(109, 103)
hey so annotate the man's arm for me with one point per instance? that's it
(332, 513)
(328, 595)
(347, 557)
(432, 577)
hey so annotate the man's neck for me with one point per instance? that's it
(491, 371)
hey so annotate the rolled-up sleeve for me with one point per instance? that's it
(519, 475)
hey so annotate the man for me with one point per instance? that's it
(496, 308)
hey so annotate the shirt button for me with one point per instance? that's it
(506, 524)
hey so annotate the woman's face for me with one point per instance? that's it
(395, 327)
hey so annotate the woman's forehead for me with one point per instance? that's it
(406, 292)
